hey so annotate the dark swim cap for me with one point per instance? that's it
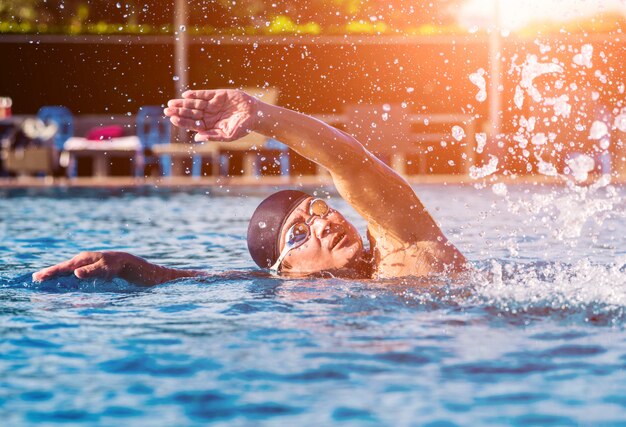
(266, 224)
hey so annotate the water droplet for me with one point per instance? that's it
(499, 189)
(486, 170)
(580, 166)
(620, 122)
(546, 168)
(479, 80)
(175, 78)
(481, 141)
(458, 133)
(584, 57)
(598, 130)
(262, 225)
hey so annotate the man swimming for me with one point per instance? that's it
(291, 232)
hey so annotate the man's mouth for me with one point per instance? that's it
(337, 239)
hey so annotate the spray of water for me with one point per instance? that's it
(587, 198)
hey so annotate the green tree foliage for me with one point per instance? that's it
(18, 10)
(240, 16)
(332, 13)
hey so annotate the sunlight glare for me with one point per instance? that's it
(515, 14)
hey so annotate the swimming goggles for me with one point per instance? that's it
(300, 231)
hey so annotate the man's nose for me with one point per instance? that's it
(320, 226)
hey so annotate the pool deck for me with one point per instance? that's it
(274, 181)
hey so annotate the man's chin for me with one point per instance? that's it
(352, 263)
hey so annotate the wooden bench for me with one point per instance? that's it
(394, 134)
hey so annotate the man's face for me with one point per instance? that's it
(333, 242)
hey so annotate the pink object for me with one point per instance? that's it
(5, 107)
(105, 133)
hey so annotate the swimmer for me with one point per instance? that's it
(291, 232)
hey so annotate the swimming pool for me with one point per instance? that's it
(537, 338)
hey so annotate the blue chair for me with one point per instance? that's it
(62, 117)
(273, 144)
(153, 128)
(268, 148)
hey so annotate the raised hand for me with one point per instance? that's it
(105, 265)
(216, 115)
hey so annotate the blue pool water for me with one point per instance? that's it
(537, 338)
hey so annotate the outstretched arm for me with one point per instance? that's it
(107, 265)
(376, 191)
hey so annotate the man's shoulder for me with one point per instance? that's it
(393, 257)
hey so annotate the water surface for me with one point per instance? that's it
(537, 338)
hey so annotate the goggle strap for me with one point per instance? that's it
(282, 256)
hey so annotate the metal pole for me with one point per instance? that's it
(180, 55)
(495, 61)
(180, 42)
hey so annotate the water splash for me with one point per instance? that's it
(480, 172)
(546, 168)
(559, 142)
(458, 133)
(584, 57)
(598, 130)
(529, 71)
(583, 287)
(620, 121)
(71, 283)
(560, 104)
(479, 80)
(481, 141)
(566, 213)
(580, 166)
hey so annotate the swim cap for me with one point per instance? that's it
(266, 224)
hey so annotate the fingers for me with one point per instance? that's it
(200, 94)
(66, 267)
(190, 124)
(40, 276)
(50, 272)
(97, 269)
(196, 104)
(184, 112)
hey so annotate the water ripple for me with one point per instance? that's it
(525, 341)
